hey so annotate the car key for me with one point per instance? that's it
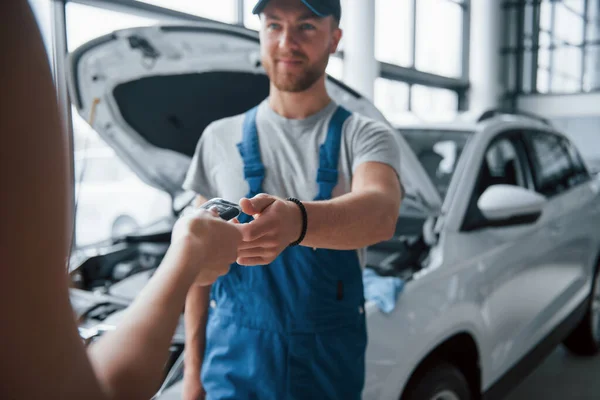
(226, 209)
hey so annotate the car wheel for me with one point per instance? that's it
(585, 339)
(123, 225)
(442, 382)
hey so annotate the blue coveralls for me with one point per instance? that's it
(293, 329)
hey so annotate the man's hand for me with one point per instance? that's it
(206, 243)
(277, 223)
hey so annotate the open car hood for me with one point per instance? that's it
(150, 92)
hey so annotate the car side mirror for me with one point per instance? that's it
(505, 202)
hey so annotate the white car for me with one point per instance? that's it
(502, 273)
(498, 239)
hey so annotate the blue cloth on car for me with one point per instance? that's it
(383, 290)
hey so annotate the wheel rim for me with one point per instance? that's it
(445, 395)
(596, 309)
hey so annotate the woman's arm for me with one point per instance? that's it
(128, 360)
(41, 354)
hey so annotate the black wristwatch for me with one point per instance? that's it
(304, 220)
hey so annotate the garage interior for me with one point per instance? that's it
(417, 61)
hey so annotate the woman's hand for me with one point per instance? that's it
(207, 244)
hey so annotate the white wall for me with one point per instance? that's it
(562, 106)
(42, 12)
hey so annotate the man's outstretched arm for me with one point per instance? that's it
(364, 216)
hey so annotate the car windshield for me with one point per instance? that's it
(438, 151)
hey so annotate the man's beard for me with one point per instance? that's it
(295, 82)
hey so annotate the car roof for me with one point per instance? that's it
(445, 126)
(469, 122)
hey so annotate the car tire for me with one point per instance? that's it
(585, 339)
(442, 382)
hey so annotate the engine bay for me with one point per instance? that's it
(108, 278)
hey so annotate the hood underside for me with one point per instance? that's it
(150, 92)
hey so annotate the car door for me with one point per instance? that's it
(559, 174)
(511, 255)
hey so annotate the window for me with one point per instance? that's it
(393, 31)
(222, 10)
(42, 10)
(391, 98)
(344, 21)
(433, 104)
(439, 37)
(501, 164)
(552, 164)
(566, 57)
(543, 77)
(567, 69)
(580, 170)
(335, 68)
(564, 84)
(438, 151)
(100, 167)
(592, 65)
(592, 49)
(251, 21)
(565, 51)
(568, 25)
(110, 199)
(546, 16)
(544, 57)
(545, 40)
(577, 7)
(85, 23)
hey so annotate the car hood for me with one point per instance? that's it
(149, 93)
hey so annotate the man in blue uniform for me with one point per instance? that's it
(317, 185)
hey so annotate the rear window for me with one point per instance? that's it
(557, 165)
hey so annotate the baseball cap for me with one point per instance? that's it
(322, 8)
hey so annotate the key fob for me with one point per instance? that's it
(226, 209)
